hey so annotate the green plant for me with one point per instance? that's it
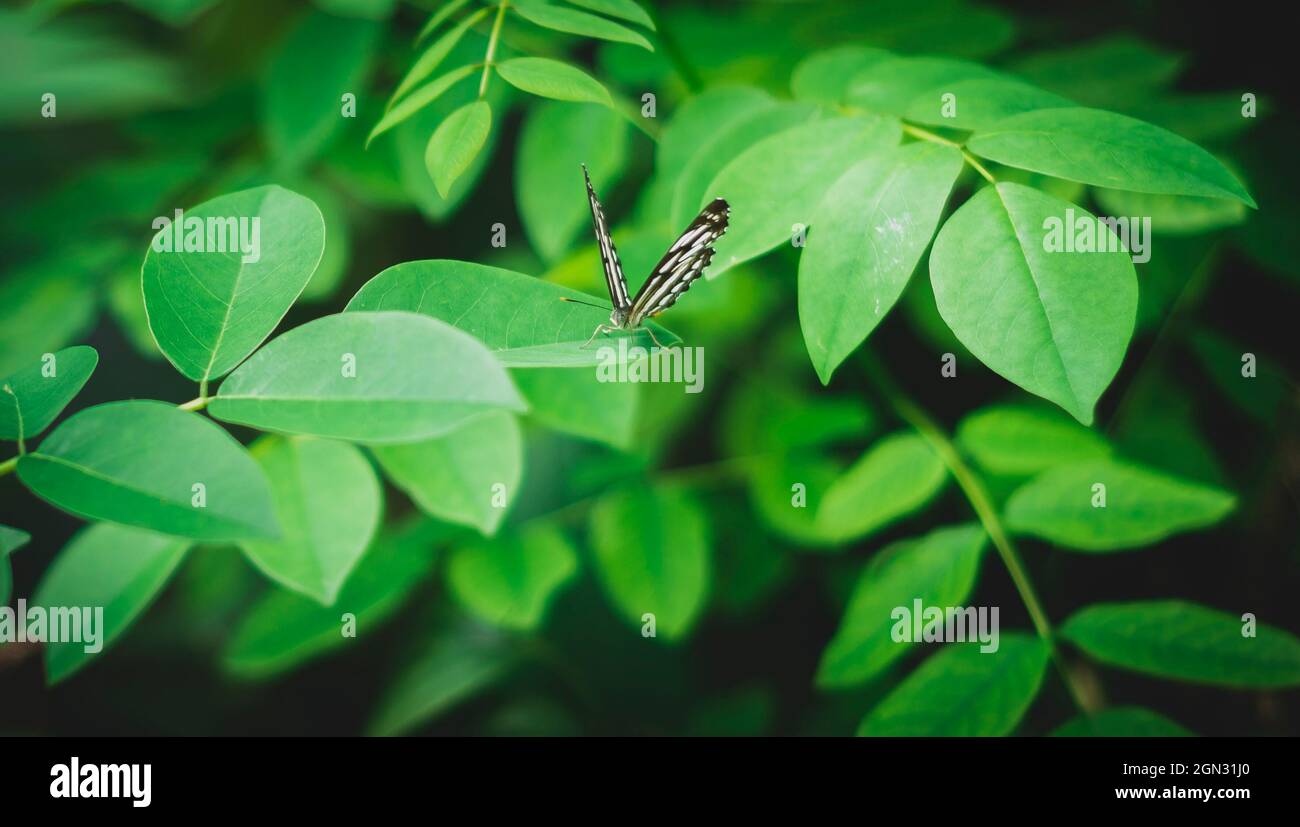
(465, 385)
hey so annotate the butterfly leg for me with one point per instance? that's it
(600, 328)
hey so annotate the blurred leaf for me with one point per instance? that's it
(456, 143)
(11, 539)
(140, 462)
(890, 86)
(365, 9)
(509, 581)
(552, 79)
(1141, 506)
(173, 12)
(520, 318)
(1199, 118)
(825, 76)
(788, 491)
(979, 102)
(1121, 722)
(454, 476)
(779, 181)
(1185, 641)
(1173, 214)
(938, 569)
(43, 307)
(1087, 145)
(338, 247)
(31, 398)
(1111, 71)
(897, 475)
(322, 59)
(329, 504)
(1022, 440)
(417, 100)
(963, 691)
(699, 118)
(1260, 396)
(623, 9)
(651, 548)
(1268, 235)
(747, 712)
(442, 15)
(334, 377)
(575, 401)
(125, 298)
(432, 57)
(209, 309)
(928, 26)
(1157, 428)
(859, 256)
(114, 567)
(766, 416)
(572, 21)
(285, 629)
(557, 139)
(1056, 324)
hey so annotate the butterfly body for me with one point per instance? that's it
(672, 276)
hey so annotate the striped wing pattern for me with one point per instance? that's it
(682, 264)
(614, 278)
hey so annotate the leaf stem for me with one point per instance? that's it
(8, 465)
(927, 135)
(980, 501)
(492, 48)
(194, 404)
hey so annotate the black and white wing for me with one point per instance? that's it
(614, 278)
(682, 264)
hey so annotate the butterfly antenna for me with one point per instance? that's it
(589, 304)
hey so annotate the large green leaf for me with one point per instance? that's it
(456, 143)
(891, 85)
(825, 76)
(151, 465)
(368, 377)
(521, 319)
(779, 181)
(1022, 440)
(767, 416)
(285, 628)
(455, 477)
(1121, 722)
(938, 569)
(896, 476)
(1116, 70)
(31, 398)
(209, 310)
(1141, 506)
(552, 79)
(557, 139)
(329, 504)
(509, 581)
(1107, 150)
(572, 21)
(651, 548)
(114, 567)
(575, 401)
(322, 59)
(979, 102)
(697, 119)
(788, 491)
(1186, 641)
(1056, 323)
(866, 238)
(961, 691)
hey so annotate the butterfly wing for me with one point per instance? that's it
(682, 264)
(614, 278)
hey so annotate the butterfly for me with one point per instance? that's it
(676, 271)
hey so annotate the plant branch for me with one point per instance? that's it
(8, 465)
(980, 501)
(927, 135)
(492, 47)
(194, 404)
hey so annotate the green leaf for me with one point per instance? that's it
(651, 548)
(938, 569)
(622, 9)
(825, 76)
(43, 307)
(142, 463)
(866, 238)
(1121, 722)
(552, 79)
(1055, 323)
(31, 398)
(766, 416)
(1261, 396)
(329, 505)
(367, 377)
(442, 15)
(520, 318)
(454, 666)
(557, 139)
(897, 475)
(209, 310)
(1106, 149)
(979, 102)
(114, 567)
(333, 267)
(11, 539)
(890, 86)
(572, 21)
(961, 691)
(1116, 70)
(509, 581)
(285, 629)
(455, 476)
(1141, 506)
(1186, 641)
(417, 100)
(1022, 440)
(433, 56)
(788, 491)
(575, 401)
(456, 142)
(1173, 214)
(779, 181)
(698, 119)
(321, 60)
